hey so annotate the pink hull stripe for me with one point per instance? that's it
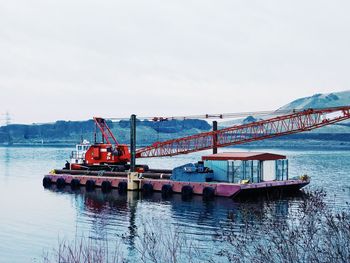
(221, 189)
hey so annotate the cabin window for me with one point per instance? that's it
(256, 171)
(251, 170)
(79, 148)
(281, 170)
(235, 171)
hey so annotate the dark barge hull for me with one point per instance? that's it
(273, 191)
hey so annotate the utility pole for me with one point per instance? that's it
(7, 119)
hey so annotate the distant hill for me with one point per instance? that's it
(334, 99)
(148, 132)
(320, 101)
(326, 100)
(71, 132)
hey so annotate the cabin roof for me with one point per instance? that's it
(244, 156)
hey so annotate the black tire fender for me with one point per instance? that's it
(106, 186)
(187, 191)
(167, 190)
(75, 183)
(47, 182)
(60, 182)
(208, 193)
(90, 184)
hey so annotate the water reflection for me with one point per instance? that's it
(122, 214)
(32, 218)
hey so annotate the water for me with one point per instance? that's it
(33, 219)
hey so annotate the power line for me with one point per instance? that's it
(203, 116)
(221, 115)
(213, 116)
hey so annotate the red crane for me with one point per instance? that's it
(107, 154)
(298, 121)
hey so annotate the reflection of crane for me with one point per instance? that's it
(298, 121)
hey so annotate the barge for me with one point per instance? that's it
(229, 174)
(109, 164)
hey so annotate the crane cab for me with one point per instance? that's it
(106, 154)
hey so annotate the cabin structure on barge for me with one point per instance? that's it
(255, 167)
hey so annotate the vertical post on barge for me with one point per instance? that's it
(133, 176)
(133, 142)
(215, 137)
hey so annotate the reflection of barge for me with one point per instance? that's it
(223, 174)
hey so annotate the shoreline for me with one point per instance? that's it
(296, 144)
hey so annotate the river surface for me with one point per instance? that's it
(34, 219)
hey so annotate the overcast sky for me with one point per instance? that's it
(74, 59)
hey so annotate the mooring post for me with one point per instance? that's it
(215, 137)
(133, 142)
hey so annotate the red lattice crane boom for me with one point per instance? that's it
(106, 132)
(295, 122)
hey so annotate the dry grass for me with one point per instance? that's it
(155, 243)
(85, 250)
(159, 243)
(313, 233)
